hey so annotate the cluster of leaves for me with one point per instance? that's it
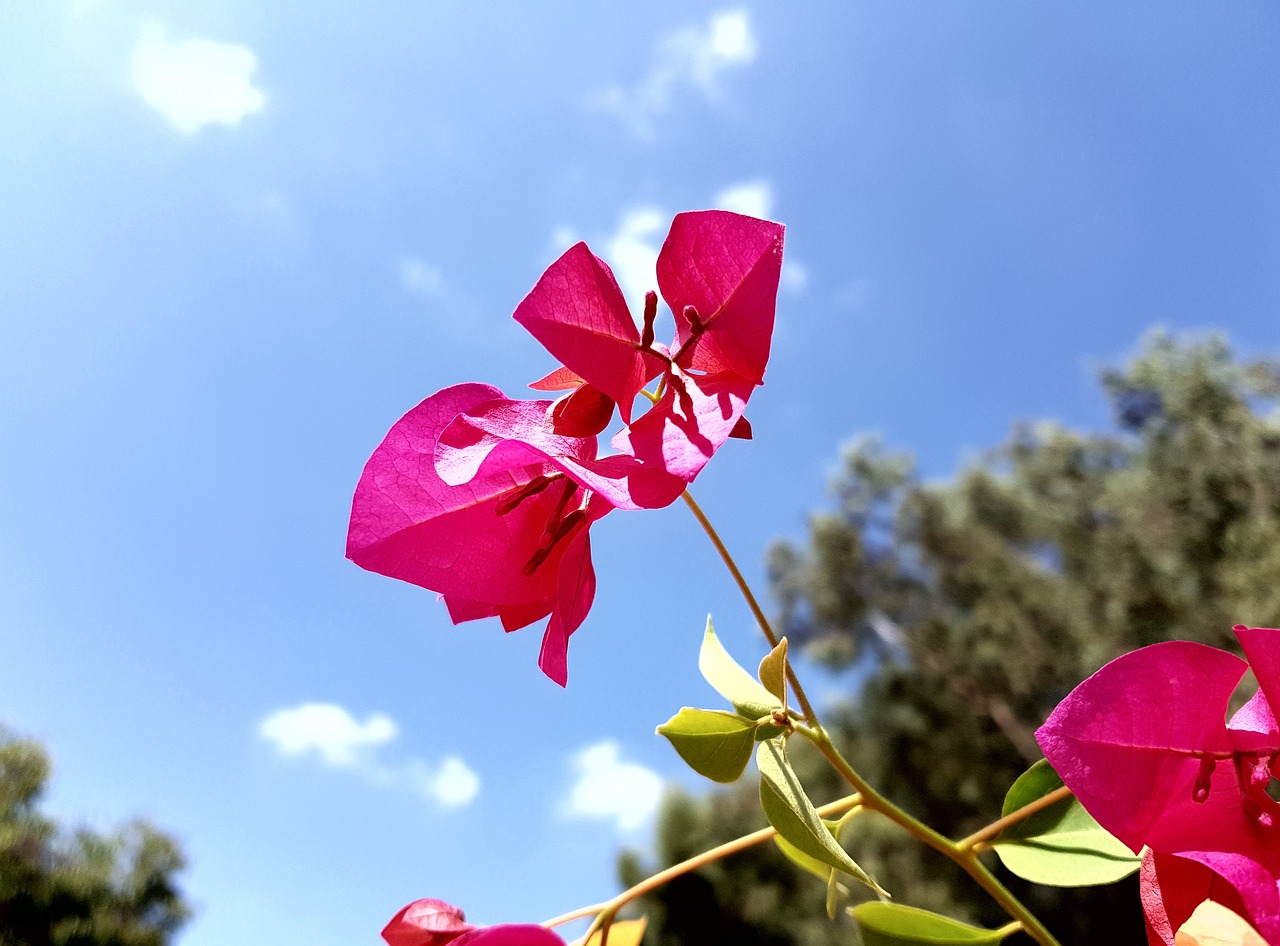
(971, 608)
(79, 888)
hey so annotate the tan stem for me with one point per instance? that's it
(750, 598)
(1013, 817)
(693, 863)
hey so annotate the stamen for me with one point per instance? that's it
(650, 315)
(695, 321)
(531, 488)
(1200, 788)
(557, 528)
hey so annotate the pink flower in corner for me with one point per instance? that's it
(436, 923)
(509, 539)
(1145, 745)
(719, 272)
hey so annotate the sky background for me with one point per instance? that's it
(238, 240)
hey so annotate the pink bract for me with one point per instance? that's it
(509, 541)
(719, 273)
(1145, 745)
(436, 923)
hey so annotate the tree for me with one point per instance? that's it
(78, 888)
(973, 606)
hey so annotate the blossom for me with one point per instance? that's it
(509, 540)
(1144, 745)
(436, 923)
(718, 271)
(489, 500)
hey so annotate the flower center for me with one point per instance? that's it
(531, 488)
(560, 524)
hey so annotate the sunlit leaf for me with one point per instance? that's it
(820, 869)
(773, 671)
(732, 682)
(1212, 924)
(715, 744)
(1062, 845)
(891, 924)
(789, 810)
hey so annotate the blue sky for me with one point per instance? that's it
(238, 240)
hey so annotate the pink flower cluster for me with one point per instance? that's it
(1145, 745)
(489, 500)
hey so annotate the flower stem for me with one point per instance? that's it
(965, 857)
(693, 863)
(750, 598)
(1026, 811)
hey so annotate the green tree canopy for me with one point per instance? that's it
(78, 888)
(972, 606)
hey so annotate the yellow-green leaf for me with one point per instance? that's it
(773, 672)
(1060, 846)
(789, 810)
(714, 743)
(732, 682)
(1212, 924)
(891, 924)
(622, 933)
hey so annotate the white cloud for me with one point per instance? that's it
(632, 253)
(327, 730)
(692, 58)
(419, 277)
(608, 788)
(795, 278)
(754, 198)
(195, 82)
(339, 740)
(451, 783)
(562, 238)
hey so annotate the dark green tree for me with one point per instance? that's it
(78, 888)
(971, 607)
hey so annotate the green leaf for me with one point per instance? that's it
(732, 682)
(818, 868)
(773, 672)
(1061, 845)
(715, 744)
(789, 810)
(768, 731)
(891, 924)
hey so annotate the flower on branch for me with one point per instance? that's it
(489, 500)
(1145, 745)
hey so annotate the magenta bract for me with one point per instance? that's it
(1145, 745)
(436, 923)
(507, 539)
(719, 273)
(426, 923)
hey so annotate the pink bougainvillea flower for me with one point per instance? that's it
(510, 540)
(489, 501)
(436, 923)
(1145, 745)
(719, 272)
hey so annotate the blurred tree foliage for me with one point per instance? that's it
(80, 888)
(971, 607)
